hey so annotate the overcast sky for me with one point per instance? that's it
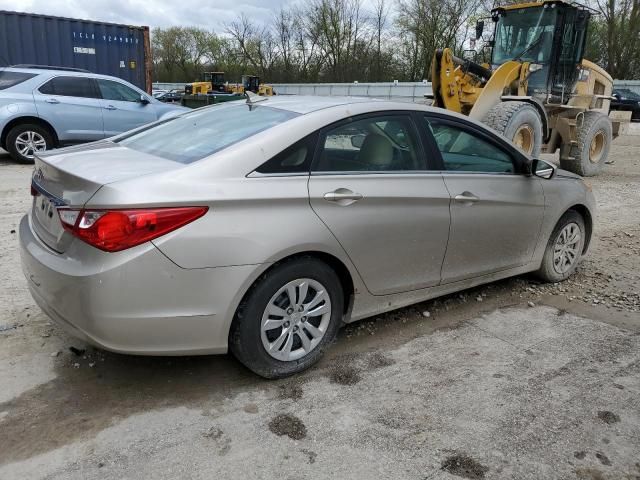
(154, 13)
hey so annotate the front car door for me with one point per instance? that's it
(370, 185)
(496, 209)
(70, 103)
(122, 108)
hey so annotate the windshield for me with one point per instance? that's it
(198, 134)
(526, 33)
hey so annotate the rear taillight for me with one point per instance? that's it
(34, 191)
(115, 230)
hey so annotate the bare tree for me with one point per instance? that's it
(343, 41)
(618, 37)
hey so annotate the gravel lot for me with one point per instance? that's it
(512, 380)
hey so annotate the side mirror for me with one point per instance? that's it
(542, 169)
(479, 29)
(357, 141)
(144, 100)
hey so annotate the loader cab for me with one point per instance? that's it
(216, 79)
(551, 37)
(251, 83)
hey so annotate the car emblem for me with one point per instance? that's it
(38, 176)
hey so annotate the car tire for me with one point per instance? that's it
(28, 137)
(588, 156)
(561, 247)
(518, 122)
(256, 328)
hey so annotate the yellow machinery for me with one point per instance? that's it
(538, 90)
(251, 83)
(214, 83)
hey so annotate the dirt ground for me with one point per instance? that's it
(515, 379)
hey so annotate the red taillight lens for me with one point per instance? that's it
(115, 230)
(34, 191)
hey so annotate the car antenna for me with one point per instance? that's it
(253, 98)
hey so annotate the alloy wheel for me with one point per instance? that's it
(29, 142)
(566, 249)
(295, 319)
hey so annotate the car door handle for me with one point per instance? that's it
(110, 107)
(52, 100)
(466, 197)
(343, 196)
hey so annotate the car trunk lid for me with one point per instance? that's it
(71, 177)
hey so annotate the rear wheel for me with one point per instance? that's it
(520, 123)
(25, 140)
(588, 156)
(287, 320)
(564, 248)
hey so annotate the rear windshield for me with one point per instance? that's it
(193, 136)
(9, 79)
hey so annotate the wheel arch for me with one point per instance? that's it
(537, 104)
(346, 280)
(338, 266)
(26, 119)
(586, 215)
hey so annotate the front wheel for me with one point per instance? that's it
(288, 318)
(564, 248)
(520, 123)
(25, 140)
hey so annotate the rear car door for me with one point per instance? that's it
(496, 210)
(122, 108)
(370, 185)
(70, 103)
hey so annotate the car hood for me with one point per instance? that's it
(566, 174)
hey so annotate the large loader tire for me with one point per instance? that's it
(520, 123)
(588, 156)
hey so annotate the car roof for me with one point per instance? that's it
(304, 104)
(55, 72)
(37, 70)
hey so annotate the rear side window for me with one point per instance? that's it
(116, 91)
(205, 131)
(293, 160)
(10, 79)
(70, 87)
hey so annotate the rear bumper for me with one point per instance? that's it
(136, 301)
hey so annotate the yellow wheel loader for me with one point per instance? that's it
(251, 83)
(212, 82)
(538, 90)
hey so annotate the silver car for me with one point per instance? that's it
(47, 107)
(262, 227)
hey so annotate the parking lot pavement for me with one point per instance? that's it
(486, 386)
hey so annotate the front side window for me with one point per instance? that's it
(384, 143)
(205, 131)
(465, 151)
(116, 91)
(10, 79)
(70, 87)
